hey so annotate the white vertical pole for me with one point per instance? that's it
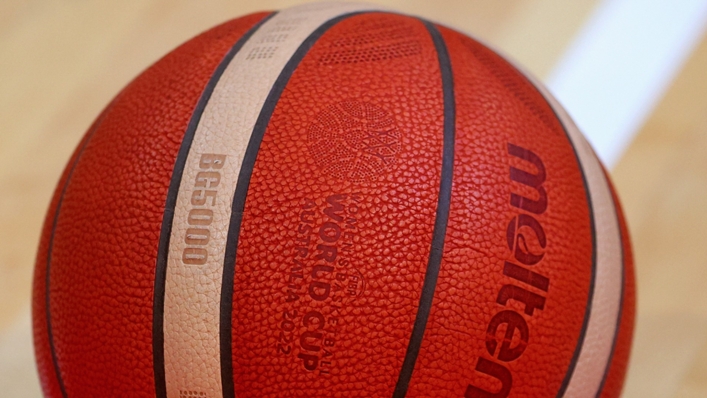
(621, 63)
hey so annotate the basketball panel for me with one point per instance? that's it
(616, 372)
(519, 208)
(338, 220)
(52, 385)
(104, 245)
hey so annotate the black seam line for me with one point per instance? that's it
(168, 218)
(621, 298)
(239, 199)
(50, 247)
(590, 296)
(441, 218)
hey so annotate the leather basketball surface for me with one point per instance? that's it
(333, 201)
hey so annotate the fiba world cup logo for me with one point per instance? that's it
(355, 141)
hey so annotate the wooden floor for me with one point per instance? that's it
(62, 61)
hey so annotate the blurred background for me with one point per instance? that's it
(632, 73)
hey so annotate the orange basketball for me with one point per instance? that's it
(333, 201)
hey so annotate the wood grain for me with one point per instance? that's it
(63, 61)
(662, 181)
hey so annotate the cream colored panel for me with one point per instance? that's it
(203, 210)
(598, 342)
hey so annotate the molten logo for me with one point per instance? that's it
(526, 241)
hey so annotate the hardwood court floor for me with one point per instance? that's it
(62, 61)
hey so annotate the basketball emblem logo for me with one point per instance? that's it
(354, 141)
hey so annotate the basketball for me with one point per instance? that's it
(333, 200)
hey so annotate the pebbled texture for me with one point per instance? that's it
(105, 243)
(496, 107)
(385, 224)
(586, 378)
(614, 379)
(45, 363)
